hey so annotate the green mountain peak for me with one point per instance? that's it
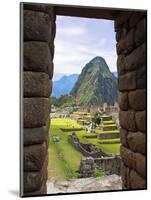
(95, 84)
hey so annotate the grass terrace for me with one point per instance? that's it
(64, 159)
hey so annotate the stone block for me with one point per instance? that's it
(136, 59)
(121, 64)
(134, 161)
(122, 32)
(42, 8)
(36, 84)
(140, 33)
(41, 191)
(123, 101)
(137, 142)
(130, 44)
(141, 78)
(32, 181)
(137, 182)
(123, 136)
(128, 157)
(135, 18)
(37, 57)
(36, 112)
(140, 164)
(140, 118)
(127, 120)
(50, 70)
(34, 156)
(121, 19)
(137, 99)
(127, 81)
(121, 47)
(37, 26)
(124, 174)
(35, 135)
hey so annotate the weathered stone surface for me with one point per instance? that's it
(130, 45)
(135, 18)
(37, 57)
(112, 182)
(37, 26)
(137, 99)
(121, 19)
(136, 59)
(50, 70)
(32, 181)
(36, 84)
(137, 182)
(140, 34)
(121, 64)
(133, 160)
(140, 164)
(141, 121)
(127, 120)
(42, 8)
(127, 81)
(121, 47)
(127, 157)
(41, 191)
(137, 142)
(34, 156)
(123, 136)
(123, 101)
(121, 33)
(124, 175)
(35, 135)
(36, 112)
(141, 77)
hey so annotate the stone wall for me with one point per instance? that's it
(131, 64)
(87, 150)
(110, 165)
(38, 50)
(87, 168)
(108, 135)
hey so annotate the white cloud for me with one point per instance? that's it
(71, 31)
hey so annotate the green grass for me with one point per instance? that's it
(109, 140)
(64, 159)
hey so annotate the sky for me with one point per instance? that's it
(78, 40)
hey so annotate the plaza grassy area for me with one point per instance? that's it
(64, 159)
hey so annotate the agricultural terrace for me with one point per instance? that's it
(64, 159)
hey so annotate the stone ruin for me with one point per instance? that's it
(87, 168)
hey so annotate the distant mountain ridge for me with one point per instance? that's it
(64, 85)
(96, 84)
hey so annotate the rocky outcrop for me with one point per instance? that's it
(105, 183)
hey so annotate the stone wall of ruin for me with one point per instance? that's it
(131, 49)
(38, 49)
(110, 165)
